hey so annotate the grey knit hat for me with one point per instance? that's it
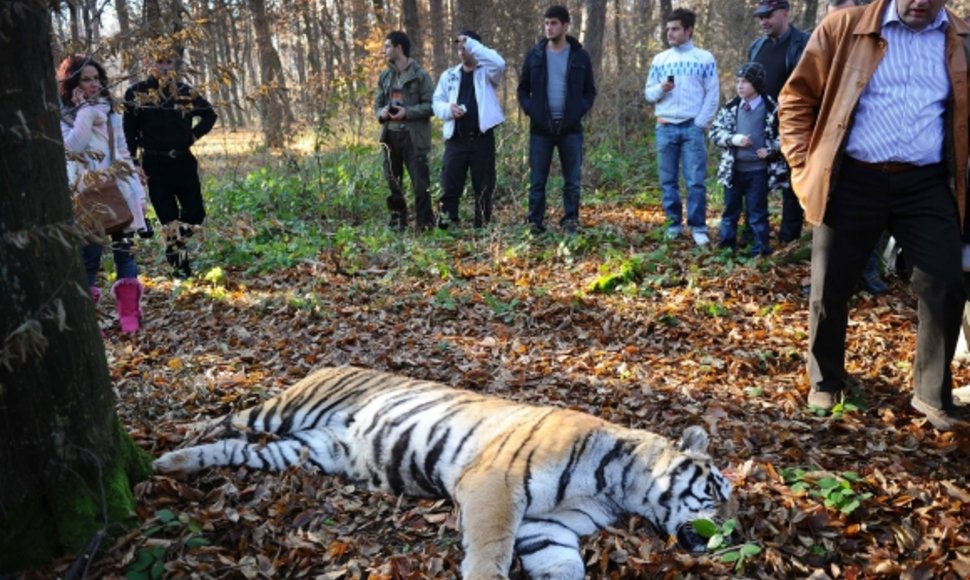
(754, 73)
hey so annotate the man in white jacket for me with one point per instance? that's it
(683, 84)
(466, 101)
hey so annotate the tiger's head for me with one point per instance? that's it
(683, 486)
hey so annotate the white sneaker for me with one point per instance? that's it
(672, 233)
(701, 239)
(966, 257)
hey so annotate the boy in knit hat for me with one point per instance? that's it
(751, 165)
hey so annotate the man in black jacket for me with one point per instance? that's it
(556, 90)
(160, 121)
(779, 50)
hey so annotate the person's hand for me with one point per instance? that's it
(667, 86)
(77, 97)
(456, 111)
(762, 153)
(95, 114)
(385, 113)
(745, 141)
(399, 116)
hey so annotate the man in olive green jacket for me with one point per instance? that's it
(404, 109)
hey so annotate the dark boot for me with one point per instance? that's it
(178, 258)
(399, 221)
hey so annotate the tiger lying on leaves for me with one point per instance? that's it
(533, 479)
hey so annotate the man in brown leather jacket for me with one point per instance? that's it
(873, 122)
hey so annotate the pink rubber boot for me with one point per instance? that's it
(127, 293)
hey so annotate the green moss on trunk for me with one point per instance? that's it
(64, 517)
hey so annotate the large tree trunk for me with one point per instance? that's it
(65, 464)
(271, 91)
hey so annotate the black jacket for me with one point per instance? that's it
(580, 88)
(157, 120)
(796, 45)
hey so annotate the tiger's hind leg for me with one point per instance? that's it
(319, 447)
(549, 551)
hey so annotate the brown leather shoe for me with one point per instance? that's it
(940, 418)
(824, 400)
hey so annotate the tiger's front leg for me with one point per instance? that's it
(490, 514)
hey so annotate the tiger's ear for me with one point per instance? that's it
(694, 439)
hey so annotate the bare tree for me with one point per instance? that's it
(470, 14)
(439, 37)
(271, 91)
(412, 26)
(809, 13)
(593, 34)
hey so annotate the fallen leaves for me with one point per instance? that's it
(699, 345)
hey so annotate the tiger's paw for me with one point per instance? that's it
(571, 570)
(173, 462)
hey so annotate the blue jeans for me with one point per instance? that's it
(750, 189)
(570, 146)
(682, 145)
(124, 260)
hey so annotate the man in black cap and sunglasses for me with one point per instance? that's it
(779, 50)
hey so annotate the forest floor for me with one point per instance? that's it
(616, 322)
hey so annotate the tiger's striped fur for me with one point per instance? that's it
(526, 478)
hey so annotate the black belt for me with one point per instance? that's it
(673, 124)
(471, 135)
(171, 153)
(885, 166)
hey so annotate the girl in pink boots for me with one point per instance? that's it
(89, 123)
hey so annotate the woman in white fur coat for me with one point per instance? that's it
(87, 111)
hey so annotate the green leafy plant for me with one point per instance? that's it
(835, 490)
(149, 562)
(719, 540)
(850, 402)
(628, 271)
(507, 311)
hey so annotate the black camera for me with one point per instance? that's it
(397, 100)
(670, 78)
